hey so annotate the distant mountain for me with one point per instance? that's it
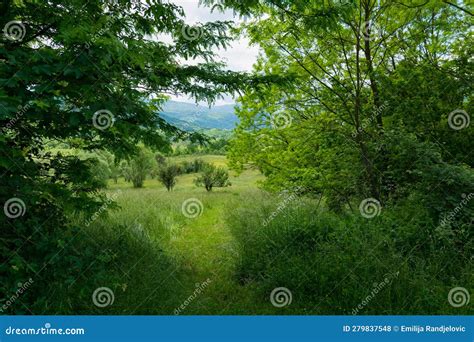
(193, 117)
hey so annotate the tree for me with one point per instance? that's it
(160, 159)
(103, 165)
(136, 169)
(212, 176)
(85, 71)
(167, 175)
(360, 69)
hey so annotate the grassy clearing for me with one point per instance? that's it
(157, 257)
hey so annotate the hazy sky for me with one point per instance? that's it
(239, 56)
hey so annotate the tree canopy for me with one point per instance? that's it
(368, 77)
(92, 74)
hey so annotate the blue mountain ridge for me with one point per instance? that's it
(192, 117)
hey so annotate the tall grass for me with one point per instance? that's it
(396, 263)
(247, 243)
(152, 256)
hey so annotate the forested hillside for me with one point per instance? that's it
(195, 117)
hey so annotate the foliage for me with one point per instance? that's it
(192, 166)
(214, 145)
(417, 172)
(85, 72)
(349, 100)
(167, 175)
(137, 169)
(360, 72)
(213, 176)
(104, 166)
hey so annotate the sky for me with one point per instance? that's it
(240, 56)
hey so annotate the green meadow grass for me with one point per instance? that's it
(226, 260)
(157, 257)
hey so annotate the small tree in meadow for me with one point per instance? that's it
(167, 175)
(213, 176)
(136, 169)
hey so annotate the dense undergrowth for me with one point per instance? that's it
(400, 262)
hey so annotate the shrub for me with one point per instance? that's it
(417, 173)
(136, 169)
(213, 176)
(167, 175)
(102, 165)
(193, 166)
